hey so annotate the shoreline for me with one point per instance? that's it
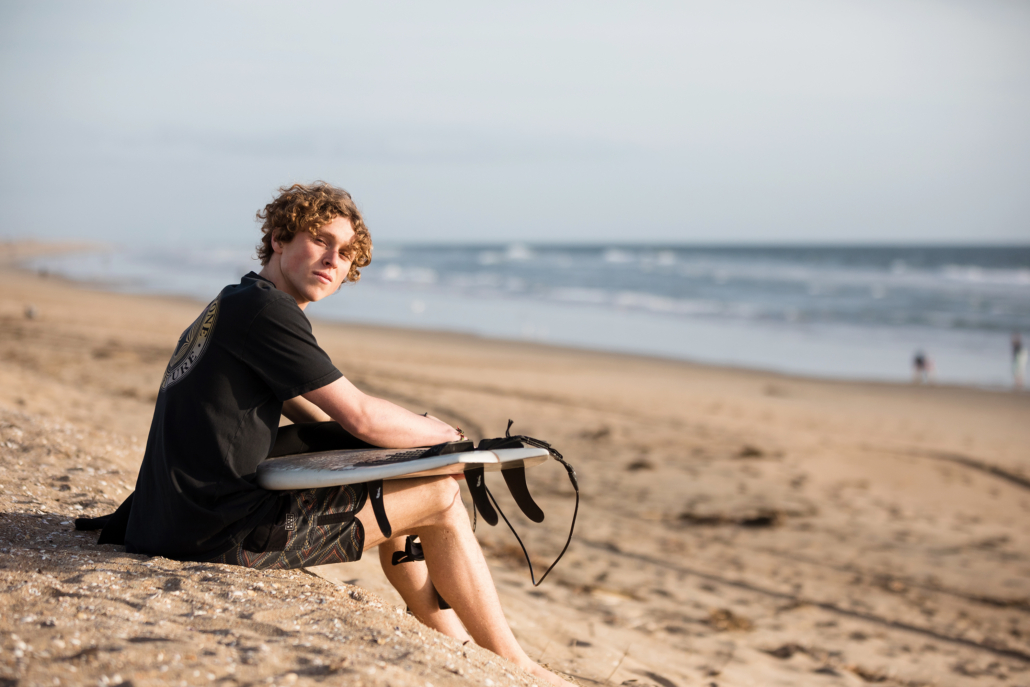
(98, 286)
(848, 349)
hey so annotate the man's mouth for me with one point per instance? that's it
(324, 277)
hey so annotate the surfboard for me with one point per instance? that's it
(354, 466)
(508, 455)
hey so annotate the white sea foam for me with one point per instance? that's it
(411, 275)
(618, 256)
(518, 251)
(979, 275)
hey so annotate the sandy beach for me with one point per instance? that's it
(736, 527)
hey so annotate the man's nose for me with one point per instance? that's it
(331, 258)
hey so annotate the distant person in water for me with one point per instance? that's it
(1019, 358)
(922, 368)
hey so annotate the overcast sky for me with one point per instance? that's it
(722, 121)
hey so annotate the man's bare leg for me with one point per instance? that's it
(411, 579)
(431, 508)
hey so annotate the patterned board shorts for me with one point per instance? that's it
(314, 527)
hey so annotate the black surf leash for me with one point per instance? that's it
(516, 483)
(413, 552)
(483, 500)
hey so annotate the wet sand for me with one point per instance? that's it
(736, 527)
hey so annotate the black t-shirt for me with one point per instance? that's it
(216, 418)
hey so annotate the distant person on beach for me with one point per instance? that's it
(250, 358)
(922, 368)
(1019, 358)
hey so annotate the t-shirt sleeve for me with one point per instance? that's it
(282, 350)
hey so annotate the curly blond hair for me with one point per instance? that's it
(309, 207)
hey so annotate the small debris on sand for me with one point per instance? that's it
(750, 452)
(724, 620)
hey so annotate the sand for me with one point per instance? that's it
(736, 527)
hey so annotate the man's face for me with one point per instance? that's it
(314, 267)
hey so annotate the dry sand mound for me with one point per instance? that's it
(85, 614)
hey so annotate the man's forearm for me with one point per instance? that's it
(378, 421)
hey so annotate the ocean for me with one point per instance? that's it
(858, 312)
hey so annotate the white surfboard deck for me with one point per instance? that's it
(333, 468)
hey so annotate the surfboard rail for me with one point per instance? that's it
(354, 466)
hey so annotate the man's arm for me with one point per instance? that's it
(299, 409)
(376, 421)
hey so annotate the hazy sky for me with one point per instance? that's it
(669, 122)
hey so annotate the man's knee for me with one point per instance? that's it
(437, 502)
(446, 495)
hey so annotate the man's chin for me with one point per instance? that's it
(316, 295)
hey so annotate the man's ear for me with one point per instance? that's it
(277, 246)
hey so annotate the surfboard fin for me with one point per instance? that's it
(476, 481)
(515, 478)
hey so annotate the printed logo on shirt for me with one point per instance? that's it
(191, 346)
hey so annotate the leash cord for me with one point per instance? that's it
(575, 485)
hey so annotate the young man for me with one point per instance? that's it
(251, 357)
